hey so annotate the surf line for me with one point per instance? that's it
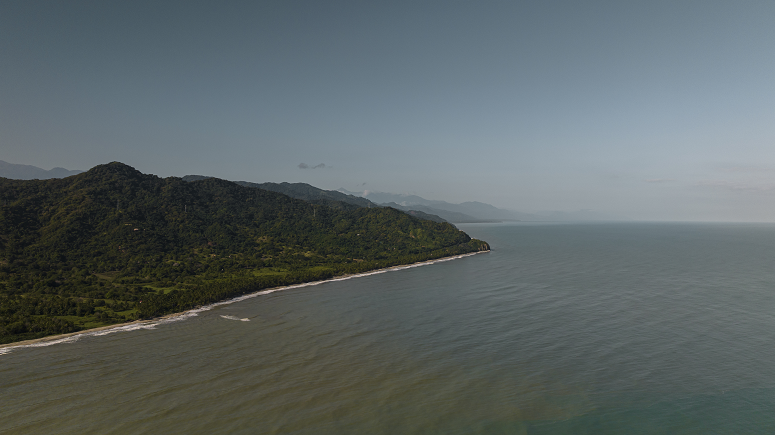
(236, 318)
(175, 317)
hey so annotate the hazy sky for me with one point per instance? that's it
(652, 110)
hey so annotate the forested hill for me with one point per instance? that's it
(331, 198)
(113, 244)
(311, 193)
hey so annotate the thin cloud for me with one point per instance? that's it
(306, 166)
(661, 180)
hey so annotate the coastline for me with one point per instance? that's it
(151, 323)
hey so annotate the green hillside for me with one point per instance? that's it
(331, 198)
(113, 244)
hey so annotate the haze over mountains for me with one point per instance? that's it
(474, 211)
(29, 172)
(439, 211)
(434, 210)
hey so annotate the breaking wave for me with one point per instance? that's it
(236, 318)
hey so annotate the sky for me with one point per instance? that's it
(652, 110)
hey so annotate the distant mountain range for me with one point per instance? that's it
(466, 212)
(29, 172)
(437, 211)
(433, 210)
(474, 211)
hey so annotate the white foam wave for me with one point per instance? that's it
(70, 339)
(151, 324)
(236, 318)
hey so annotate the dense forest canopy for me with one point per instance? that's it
(330, 198)
(113, 244)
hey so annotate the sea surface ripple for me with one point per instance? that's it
(562, 329)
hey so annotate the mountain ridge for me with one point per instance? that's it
(469, 211)
(315, 195)
(476, 211)
(28, 172)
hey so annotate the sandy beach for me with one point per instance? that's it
(151, 323)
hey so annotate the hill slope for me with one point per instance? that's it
(310, 193)
(448, 216)
(331, 198)
(301, 191)
(113, 244)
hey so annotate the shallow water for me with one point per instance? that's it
(562, 328)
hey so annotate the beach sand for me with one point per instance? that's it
(151, 323)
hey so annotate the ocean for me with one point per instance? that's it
(594, 328)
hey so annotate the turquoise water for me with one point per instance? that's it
(561, 329)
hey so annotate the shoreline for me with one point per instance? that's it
(151, 323)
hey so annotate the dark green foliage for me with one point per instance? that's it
(304, 191)
(113, 244)
(309, 193)
(422, 215)
(330, 198)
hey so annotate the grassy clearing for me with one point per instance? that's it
(107, 276)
